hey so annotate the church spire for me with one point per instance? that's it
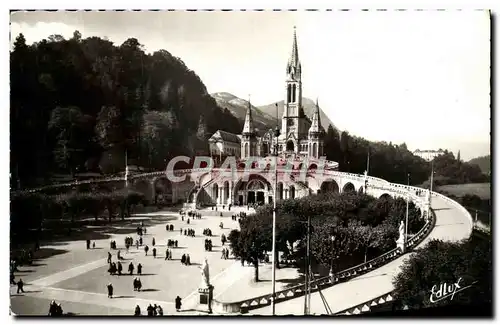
(316, 122)
(294, 67)
(248, 126)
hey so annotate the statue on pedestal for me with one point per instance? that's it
(401, 240)
(401, 231)
(205, 274)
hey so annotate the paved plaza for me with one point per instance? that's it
(78, 277)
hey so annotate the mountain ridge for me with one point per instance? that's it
(264, 115)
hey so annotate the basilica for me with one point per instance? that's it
(300, 137)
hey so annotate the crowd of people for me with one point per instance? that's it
(156, 310)
(55, 309)
(186, 259)
(225, 253)
(208, 245)
(152, 310)
(172, 243)
(117, 267)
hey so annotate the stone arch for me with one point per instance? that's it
(292, 192)
(241, 165)
(162, 190)
(225, 192)
(280, 191)
(246, 153)
(265, 148)
(330, 186)
(348, 187)
(290, 146)
(386, 196)
(145, 187)
(313, 167)
(215, 192)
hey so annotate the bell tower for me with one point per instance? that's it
(293, 120)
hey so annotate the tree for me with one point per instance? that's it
(158, 137)
(202, 129)
(332, 144)
(445, 262)
(109, 127)
(67, 125)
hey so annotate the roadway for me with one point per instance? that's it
(451, 225)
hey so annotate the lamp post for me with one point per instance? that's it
(407, 207)
(432, 180)
(331, 265)
(126, 169)
(275, 154)
(307, 298)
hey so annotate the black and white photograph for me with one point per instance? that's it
(256, 162)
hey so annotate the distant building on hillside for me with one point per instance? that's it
(428, 154)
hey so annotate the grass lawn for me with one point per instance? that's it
(483, 190)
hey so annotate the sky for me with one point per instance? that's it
(418, 77)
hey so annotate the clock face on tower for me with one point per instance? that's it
(290, 122)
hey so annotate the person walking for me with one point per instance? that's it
(20, 285)
(178, 303)
(110, 290)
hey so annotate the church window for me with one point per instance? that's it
(294, 88)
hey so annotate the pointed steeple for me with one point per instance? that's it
(294, 67)
(316, 122)
(248, 128)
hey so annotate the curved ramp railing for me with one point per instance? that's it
(327, 281)
(367, 305)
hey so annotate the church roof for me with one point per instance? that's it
(226, 137)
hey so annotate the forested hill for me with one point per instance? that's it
(483, 162)
(77, 104)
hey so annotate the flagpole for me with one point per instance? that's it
(275, 154)
(407, 208)
(368, 162)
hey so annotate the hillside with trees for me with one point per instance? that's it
(78, 104)
(483, 162)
